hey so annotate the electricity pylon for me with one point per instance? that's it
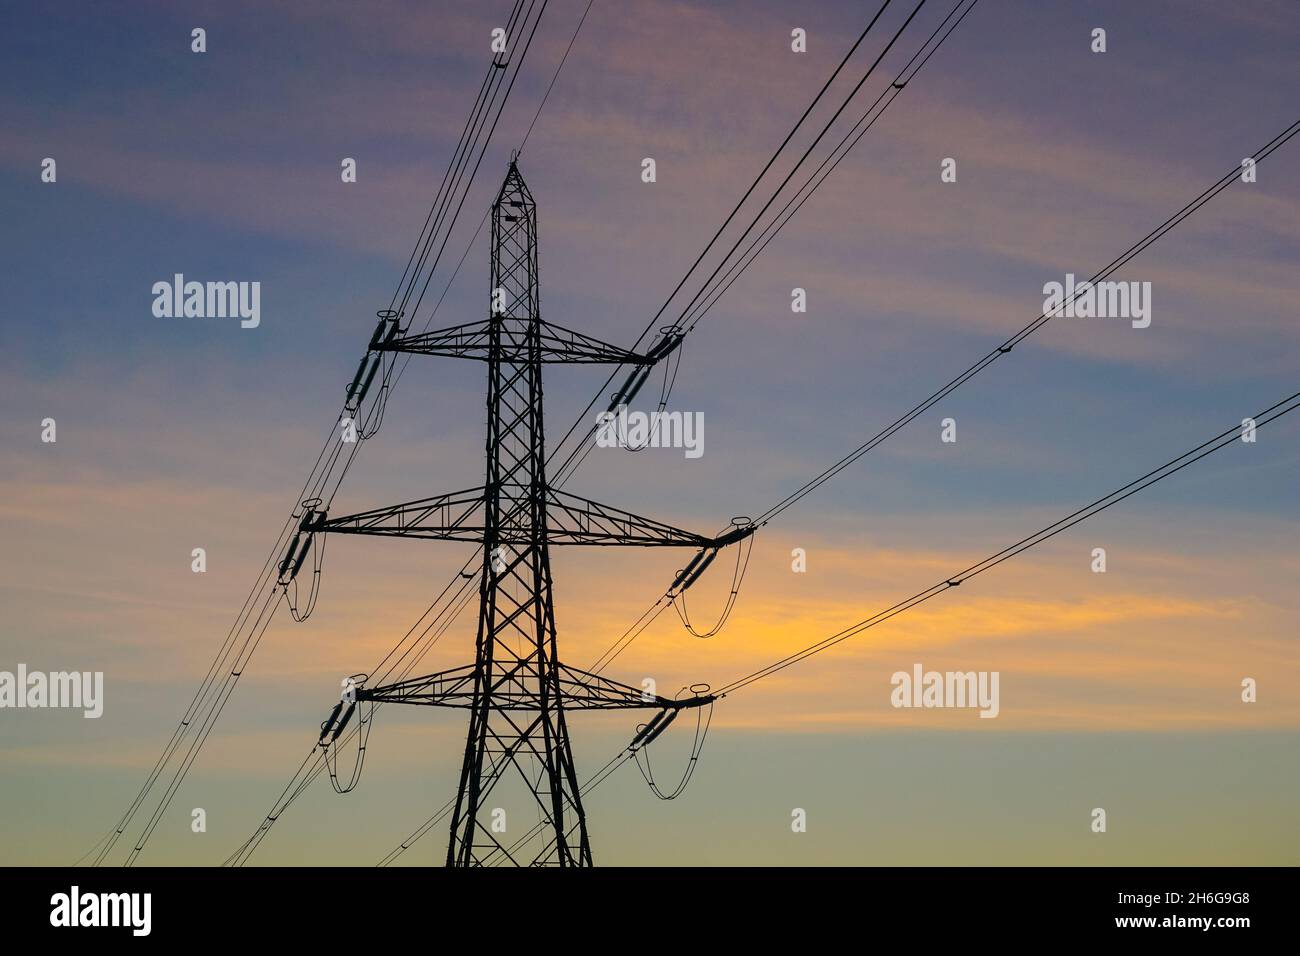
(517, 690)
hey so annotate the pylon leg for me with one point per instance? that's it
(507, 743)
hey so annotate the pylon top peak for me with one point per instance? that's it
(513, 186)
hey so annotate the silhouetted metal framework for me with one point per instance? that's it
(517, 691)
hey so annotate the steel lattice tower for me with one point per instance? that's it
(517, 690)
(515, 493)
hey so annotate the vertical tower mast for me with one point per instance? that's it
(516, 646)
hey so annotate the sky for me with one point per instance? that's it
(1119, 690)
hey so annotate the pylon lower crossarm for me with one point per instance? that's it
(514, 688)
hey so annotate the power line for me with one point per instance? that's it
(313, 764)
(565, 465)
(465, 193)
(699, 307)
(1113, 266)
(1172, 467)
(1005, 348)
(491, 77)
(832, 160)
(555, 76)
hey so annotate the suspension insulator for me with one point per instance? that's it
(370, 377)
(347, 715)
(355, 384)
(694, 563)
(302, 556)
(290, 558)
(656, 731)
(689, 575)
(648, 727)
(326, 727)
(633, 385)
(300, 545)
(359, 386)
